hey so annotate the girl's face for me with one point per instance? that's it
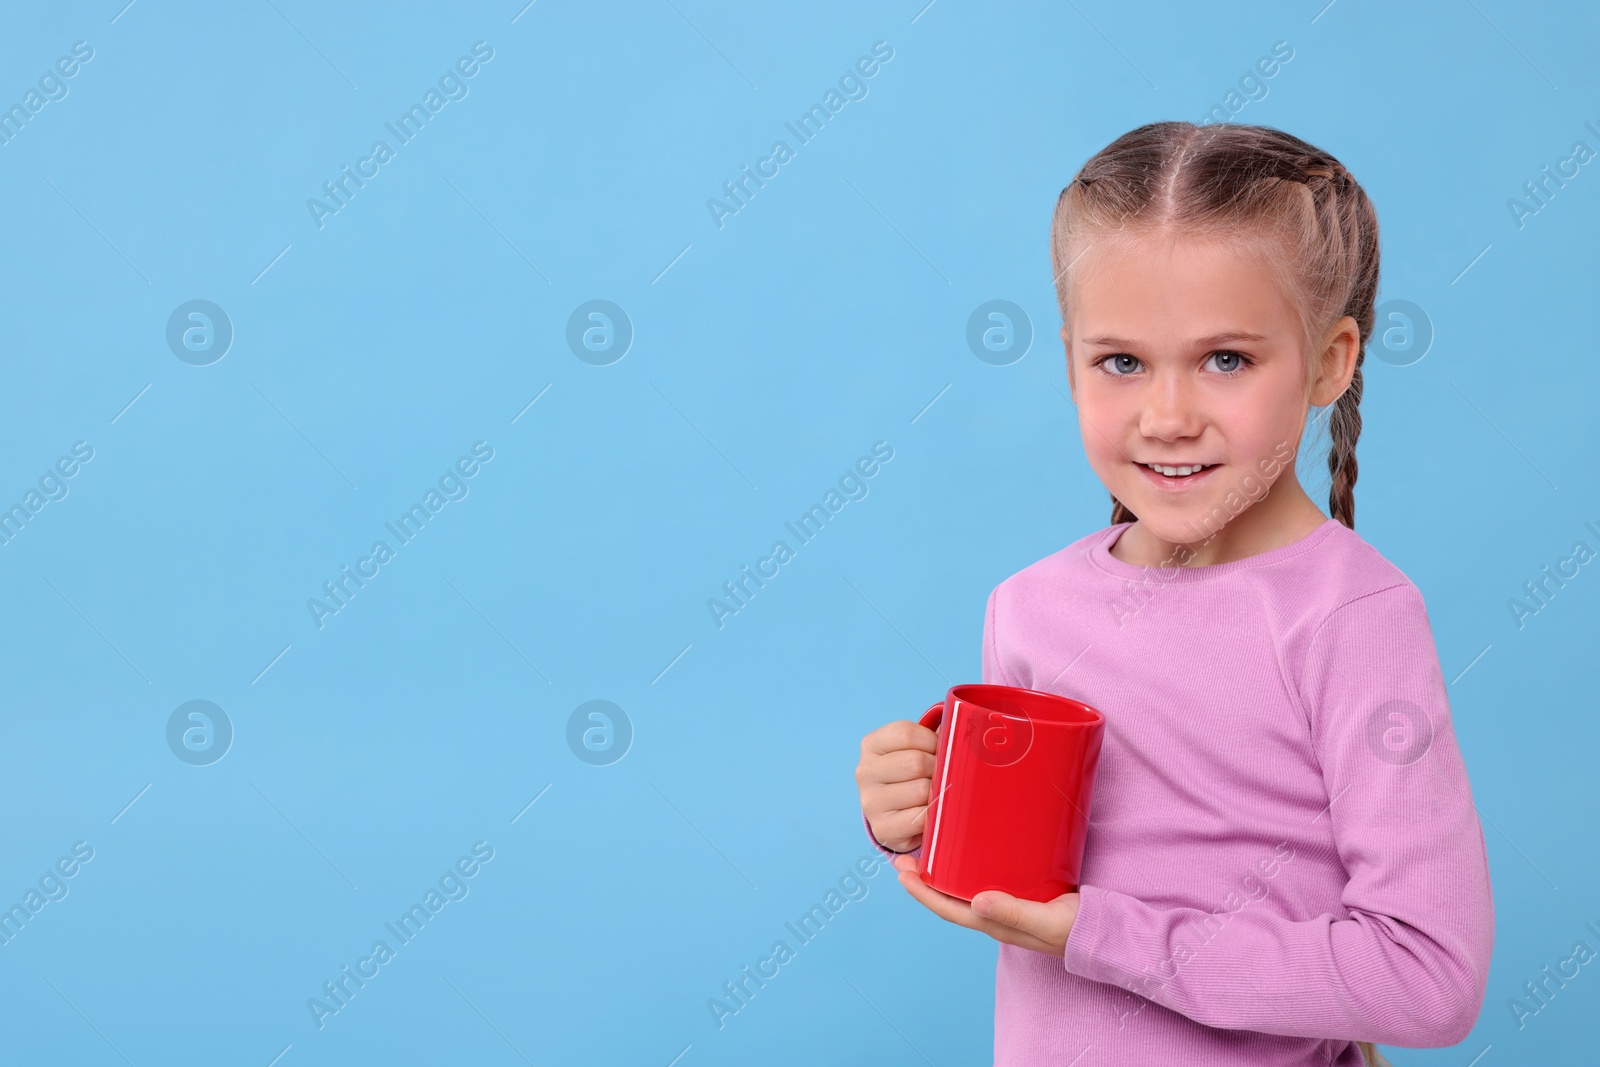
(1185, 354)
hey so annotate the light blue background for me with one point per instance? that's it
(774, 351)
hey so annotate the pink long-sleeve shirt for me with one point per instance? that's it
(1284, 856)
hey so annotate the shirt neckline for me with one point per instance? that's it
(1100, 556)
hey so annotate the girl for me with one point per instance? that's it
(1284, 864)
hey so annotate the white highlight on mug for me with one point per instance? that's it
(944, 773)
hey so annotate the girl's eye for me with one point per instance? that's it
(1229, 362)
(1122, 363)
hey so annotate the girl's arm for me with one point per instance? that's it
(1408, 961)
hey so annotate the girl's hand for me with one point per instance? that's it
(895, 777)
(1024, 923)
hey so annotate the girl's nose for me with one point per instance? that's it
(1169, 411)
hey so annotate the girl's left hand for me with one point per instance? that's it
(1024, 923)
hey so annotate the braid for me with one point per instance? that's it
(1352, 225)
(1344, 426)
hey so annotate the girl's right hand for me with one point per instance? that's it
(895, 777)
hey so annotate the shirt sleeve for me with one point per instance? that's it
(991, 673)
(1406, 960)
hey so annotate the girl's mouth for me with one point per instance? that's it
(1179, 475)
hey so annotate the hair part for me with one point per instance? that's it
(1256, 188)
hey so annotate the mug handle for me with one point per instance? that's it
(932, 716)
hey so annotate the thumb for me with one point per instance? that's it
(1003, 908)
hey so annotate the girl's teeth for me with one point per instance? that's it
(1174, 472)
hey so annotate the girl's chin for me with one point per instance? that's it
(1175, 525)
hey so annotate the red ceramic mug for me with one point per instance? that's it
(1012, 780)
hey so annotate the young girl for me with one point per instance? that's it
(1284, 863)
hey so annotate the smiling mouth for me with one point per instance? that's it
(1192, 475)
(1182, 470)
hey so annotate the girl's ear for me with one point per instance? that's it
(1336, 363)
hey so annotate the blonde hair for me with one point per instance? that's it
(1258, 188)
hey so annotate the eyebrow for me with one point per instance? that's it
(1202, 342)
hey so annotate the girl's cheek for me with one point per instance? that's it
(1102, 457)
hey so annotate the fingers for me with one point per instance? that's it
(899, 830)
(958, 911)
(899, 735)
(1002, 908)
(896, 822)
(895, 777)
(1050, 923)
(901, 765)
(897, 812)
(901, 796)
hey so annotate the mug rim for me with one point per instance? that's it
(1095, 717)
